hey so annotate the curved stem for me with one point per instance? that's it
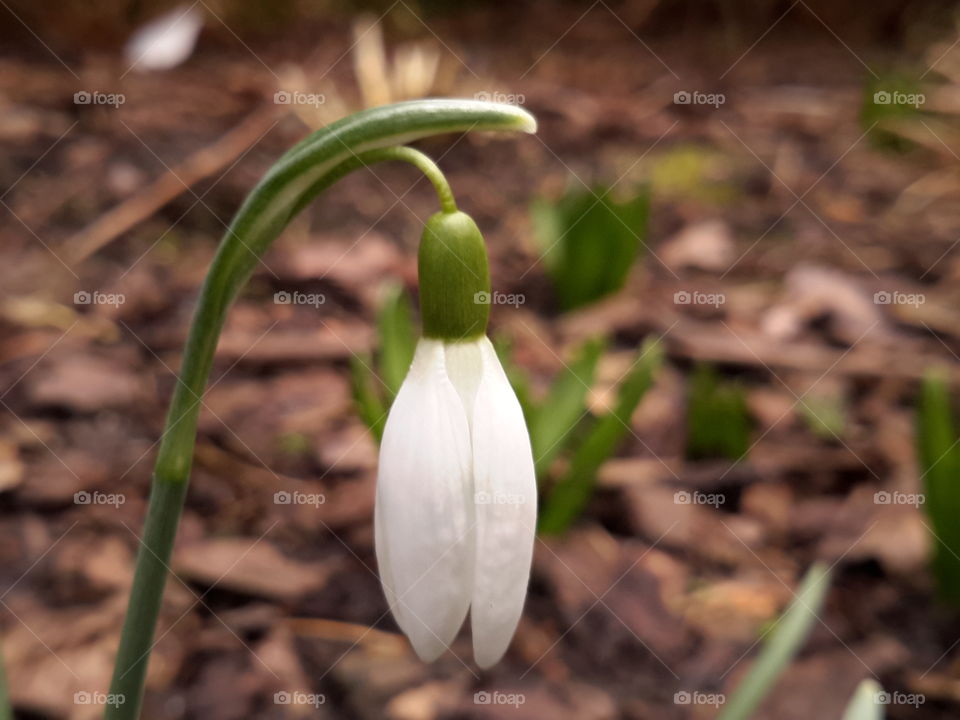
(299, 176)
(423, 163)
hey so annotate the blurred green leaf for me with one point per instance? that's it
(693, 172)
(781, 646)
(6, 707)
(825, 414)
(294, 443)
(717, 421)
(887, 101)
(863, 704)
(940, 464)
(572, 493)
(551, 423)
(364, 385)
(398, 338)
(589, 241)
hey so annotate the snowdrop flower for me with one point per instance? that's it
(165, 42)
(456, 493)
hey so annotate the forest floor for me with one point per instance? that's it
(781, 199)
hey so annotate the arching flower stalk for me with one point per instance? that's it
(456, 492)
(367, 137)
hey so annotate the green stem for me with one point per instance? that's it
(404, 154)
(6, 706)
(298, 176)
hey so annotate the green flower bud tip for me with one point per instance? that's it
(454, 278)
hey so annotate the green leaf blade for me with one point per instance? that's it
(571, 495)
(589, 242)
(398, 338)
(553, 421)
(937, 450)
(782, 645)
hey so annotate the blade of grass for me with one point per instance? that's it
(6, 708)
(572, 493)
(589, 241)
(717, 421)
(781, 646)
(863, 704)
(551, 423)
(398, 338)
(370, 407)
(940, 463)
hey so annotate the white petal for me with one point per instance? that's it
(423, 514)
(165, 42)
(465, 369)
(506, 510)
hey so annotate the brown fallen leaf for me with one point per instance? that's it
(735, 609)
(11, 467)
(84, 382)
(813, 292)
(248, 566)
(56, 478)
(705, 245)
(426, 702)
(636, 585)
